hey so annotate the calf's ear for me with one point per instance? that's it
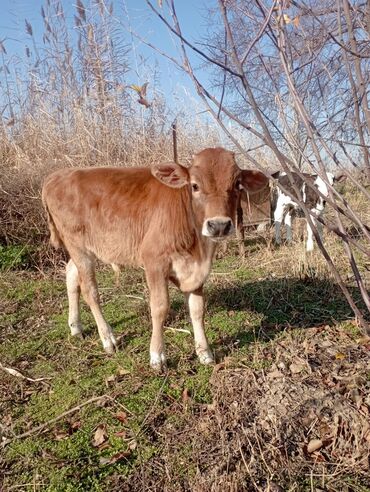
(253, 181)
(339, 177)
(171, 174)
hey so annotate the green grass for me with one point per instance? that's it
(15, 257)
(244, 314)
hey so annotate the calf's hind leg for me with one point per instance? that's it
(85, 266)
(73, 292)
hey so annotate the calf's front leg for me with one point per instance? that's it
(196, 310)
(310, 236)
(159, 305)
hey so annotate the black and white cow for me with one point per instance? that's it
(284, 206)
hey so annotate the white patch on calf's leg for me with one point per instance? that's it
(110, 343)
(196, 310)
(309, 244)
(205, 357)
(73, 292)
(158, 361)
(159, 305)
(317, 212)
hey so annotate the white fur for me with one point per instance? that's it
(157, 361)
(284, 201)
(205, 357)
(73, 292)
(196, 311)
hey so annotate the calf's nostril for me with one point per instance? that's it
(227, 227)
(212, 226)
(219, 227)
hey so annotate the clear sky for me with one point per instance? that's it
(136, 14)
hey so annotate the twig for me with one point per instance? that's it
(45, 425)
(183, 330)
(134, 297)
(118, 403)
(260, 33)
(16, 373)
(190, 45)
(153, 406)
(246, 465)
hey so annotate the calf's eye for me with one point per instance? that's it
(195, 187)
(238, 185)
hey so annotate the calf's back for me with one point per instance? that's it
(117, 213)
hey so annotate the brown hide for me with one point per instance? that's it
(114, 213)
(256, 207)
(167, 219)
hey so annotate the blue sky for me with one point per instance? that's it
(192, 15)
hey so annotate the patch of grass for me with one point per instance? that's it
(247, 317)
(15, 257)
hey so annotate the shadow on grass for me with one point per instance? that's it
(283, 304)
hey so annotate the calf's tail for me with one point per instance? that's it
(55, 239)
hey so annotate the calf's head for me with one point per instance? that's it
(215, 182)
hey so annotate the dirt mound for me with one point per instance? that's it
(302, 424)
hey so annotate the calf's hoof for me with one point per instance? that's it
(76, 330)
(158, 362)
(110, 345)
(206, 357)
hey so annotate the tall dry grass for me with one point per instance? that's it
(71, 102)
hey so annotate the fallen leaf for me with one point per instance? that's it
(274, 487)
(363, 340)
(115, 458)
(133, 445)
(124, 372)
(340, 356)
(121, 416)
(185, 395)
(120, 434)
(326, 343)
(75, 425)
(100, 436)
(7, 420)
(296, 368)
(110, 380)
(314, 445)
(275, 374)
(60, 435)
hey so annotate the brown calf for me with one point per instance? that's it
(167, 219)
